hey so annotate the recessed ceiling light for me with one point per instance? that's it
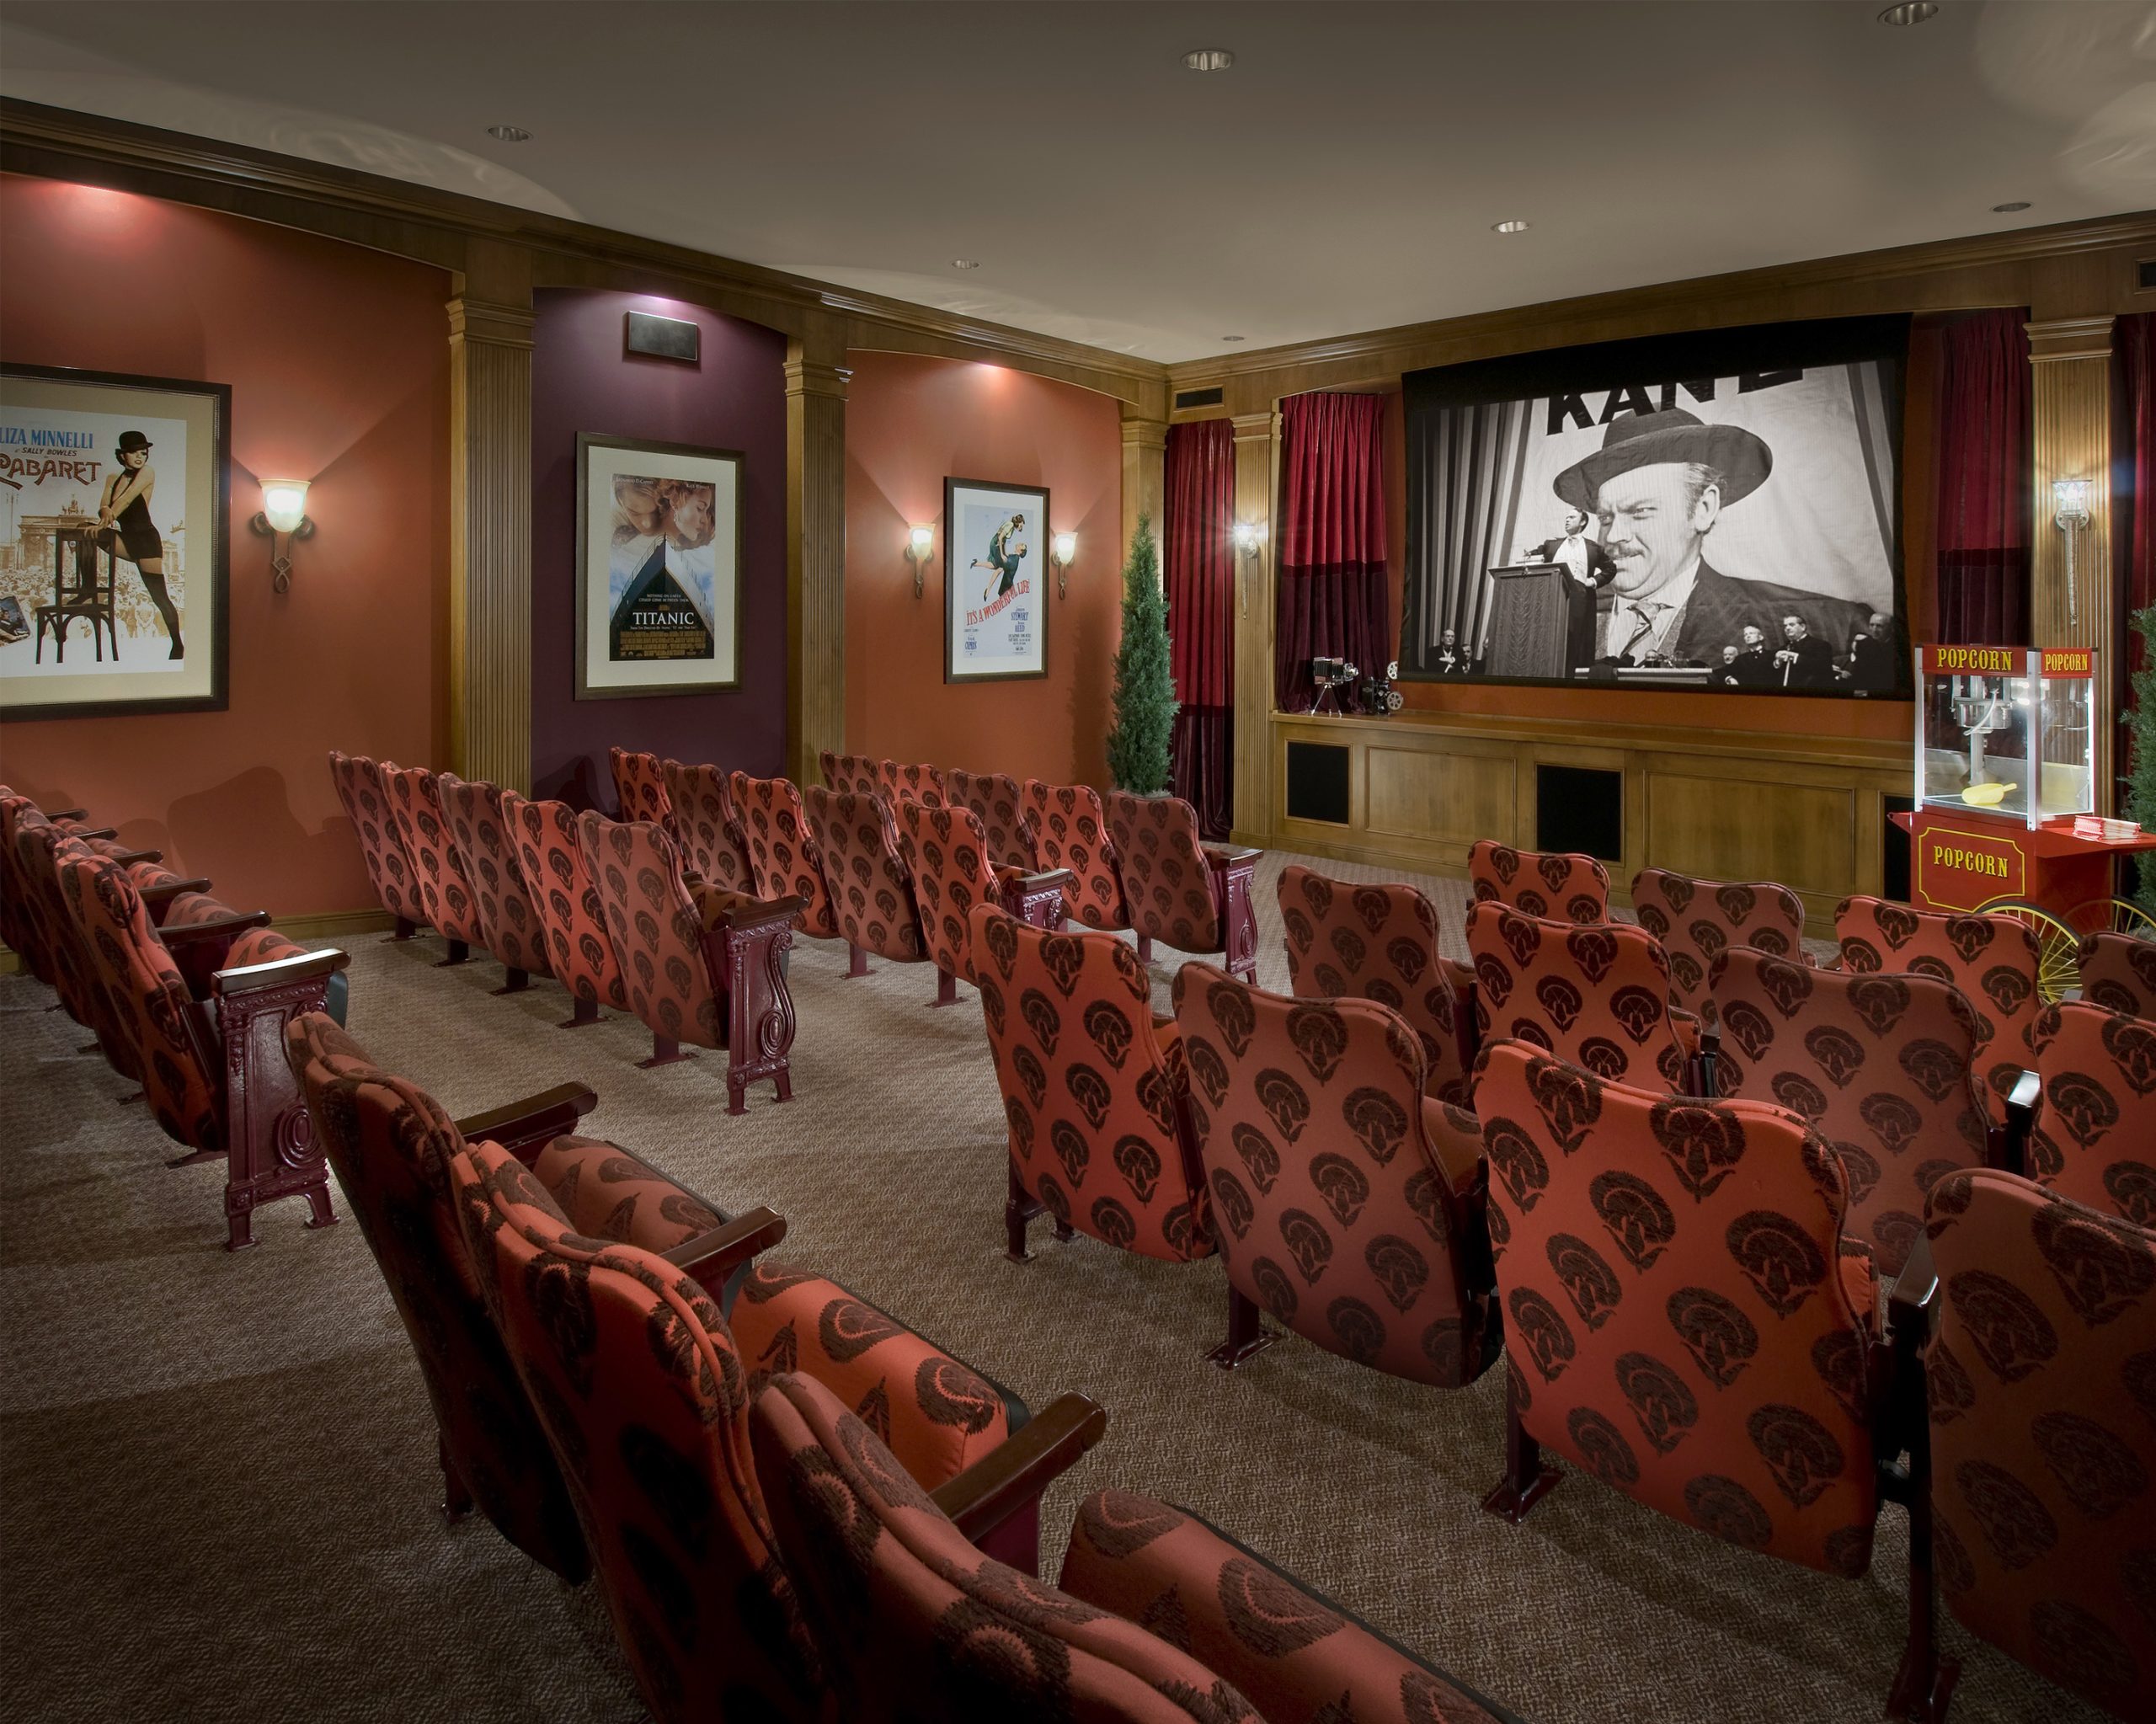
(1909, 12)
(1209, 60)
(508, 134)
(1508, 228)
(2008, 209)
(1235, 338)
(965, 263)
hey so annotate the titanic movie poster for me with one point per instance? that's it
(112, 551)
(658, 570)
(995, 551)
(1718, 511)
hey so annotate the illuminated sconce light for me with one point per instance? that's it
(2070, 505)
(920, 540)
(1250, 540)
(283, 514)
(1061, 549)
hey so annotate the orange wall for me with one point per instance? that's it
(909, 423)
(339, 363)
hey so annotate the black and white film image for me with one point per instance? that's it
(1734, 533)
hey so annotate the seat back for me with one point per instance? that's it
(639, 785)
(784, 861)
(851, 775)
(1597, 995)
(1330, 1207)
(2094, 1138)
(486, 849)
(2042, 1391)
(1347, 941)
(916, 1623)
(1070, 830)
(1697, 920)
(994, 800)
(644, 1399)
(391, 1143)
(1992, 959)
(550, 852)
(1099, 1134)
(871, 889)
(656, 930)
(389, 867)
(947, 853)
(1563, 886)
(705, 826)
(1882, 1067)
(2118, 972)
(451, 905)
(1165, 880)
(1675, 1315)
(51, 942)
(898, 782)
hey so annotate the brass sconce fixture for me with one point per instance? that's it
(1062, 548)
(2070, 502)
(283, 514)
(920, 541)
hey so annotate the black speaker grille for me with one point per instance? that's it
(2147, 267)
(1580, 809)
(1317, 782)
(1211, 397)
(1894, 847)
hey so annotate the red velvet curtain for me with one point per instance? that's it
(1197, 540)
(2136, 498)
(1984, 479)
(1331, 573)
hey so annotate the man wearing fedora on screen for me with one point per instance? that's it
(1658, 484)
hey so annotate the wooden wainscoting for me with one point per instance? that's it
(1720, 805)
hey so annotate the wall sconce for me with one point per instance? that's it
(920, 540)
(1250, 540)
(1061, 549)
(2070, 499)
(284, 512)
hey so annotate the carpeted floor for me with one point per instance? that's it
(217, 1478)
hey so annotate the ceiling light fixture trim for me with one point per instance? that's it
(965, 263)
(1908, 12)
(508, 134)
(2010, 209)
(1209, 60)
(1513, 227)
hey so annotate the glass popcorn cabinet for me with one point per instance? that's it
(2005, 731)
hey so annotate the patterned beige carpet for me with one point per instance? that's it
(217, 1479)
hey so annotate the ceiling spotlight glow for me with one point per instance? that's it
(1209, 60)
(1508, 228)
(2008, 209)
(1235, 338)
(1908, 12)
(508, 134)
(965, 263)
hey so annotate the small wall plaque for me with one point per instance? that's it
(663, 338)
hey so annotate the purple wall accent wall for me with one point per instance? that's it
(735, 398)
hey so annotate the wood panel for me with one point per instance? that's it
(1452, 798)
(1144, 478)
(815, 560)
(1718, 826)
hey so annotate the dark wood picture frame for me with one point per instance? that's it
(952, 573)
(587, 441)
(218, 697)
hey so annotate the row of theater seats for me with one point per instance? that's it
(795, 1506)
(182, 994)
(1744, 1308)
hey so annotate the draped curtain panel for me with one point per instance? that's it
(2137, 347)
(1983, 479)
(1198, 538)
(1331, 572)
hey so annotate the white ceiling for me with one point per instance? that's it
(1342, 177)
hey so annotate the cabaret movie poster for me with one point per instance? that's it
(995, 588)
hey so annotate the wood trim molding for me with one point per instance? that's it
(1144, 478)
(2070, 337)
(815, 558)
(1257, 443)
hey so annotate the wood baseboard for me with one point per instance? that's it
(325, 925)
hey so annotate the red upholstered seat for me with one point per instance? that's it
(1697, 920)
(451, 905)
(1194, 896)
(1345, 1203)
(784, 860)
(705, 826)
(897, 782)
(851, 775)
(1093, 1094)
(389, 868)
(946, 851)
(2094, 1136)
(550, 854)
(1347, 941)
(639, 785)
(996, 802)
(1070, 830)
(487, 851)
(2118, 972)
(1992, 959)
(1560, 886)
(1882, 1067)
(872, 888)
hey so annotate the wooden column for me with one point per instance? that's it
(1256, 454)
(1145, 461)
(2071, 391)
(815, 553)
(490, 519)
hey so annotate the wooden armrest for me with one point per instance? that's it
(55, 816)
(537, 1120)
(96, 832)
(763, 911)
(2008, 1145)
(153, 895)
(710, 1257)
(221, 927)
(128, 858)
(1015, 1472)
(1909, 1301)
(1228, 855)
(1046, 879)
(279, 972)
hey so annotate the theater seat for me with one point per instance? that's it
(995, 799)
(1697, 920)
(784, 860)
(946, 851)
(389, 868)
(872, 888)
(1562, 886)
(1188, 894)
(2093, 1134)
(2118, 972)
(550, 854)
(705, 826)
(1070, 830)
(639, 785)
(896, 781)
(487, 851)
(453, 907)
(851, 775)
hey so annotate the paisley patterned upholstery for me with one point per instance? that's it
(904, 783)
(784, 861)
(2043, 1391)
(452, 907)
(655, 927)
(389, 867)
(994, 800)
(705, 826)
(2118, 972)
(1680, 1318)
(1165, 880)
(1991, 959)
(1345, 1203)
(1697, 920)
(639, 785)
(486, 849)
(1560, 886)
(947, 853)
(1882, 1067)
(1099, 1133)
(851, 775)
(52, 940)
(871, 888)
(1595, 994)
(1070, 830)
(1347, 941)
(550, 852)
(2094, 1137)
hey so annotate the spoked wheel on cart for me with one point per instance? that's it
(2058, 937)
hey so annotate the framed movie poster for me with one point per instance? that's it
(995, 556)
(658, 568)
(113, 595)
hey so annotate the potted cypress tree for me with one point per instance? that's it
(1145, 699)
(2141, 779)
